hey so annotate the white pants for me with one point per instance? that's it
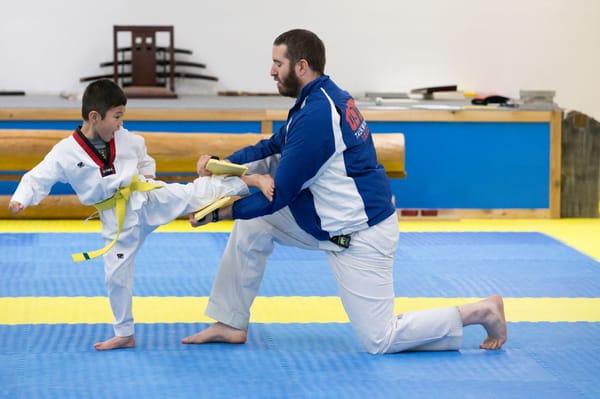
(144, 214)
(364, 277)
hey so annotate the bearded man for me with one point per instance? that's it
(332, 195)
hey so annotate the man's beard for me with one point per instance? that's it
(290, 86)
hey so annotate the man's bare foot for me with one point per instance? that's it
(217, 332)
(495, 325)
(116, 343)
(490, 314)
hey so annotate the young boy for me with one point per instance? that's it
(110, 168)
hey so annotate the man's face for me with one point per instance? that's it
(283, 73)
(113, 120)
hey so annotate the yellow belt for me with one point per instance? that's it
(119, 202)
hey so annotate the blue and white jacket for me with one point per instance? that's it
(328, 172)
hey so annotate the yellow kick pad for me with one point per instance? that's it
(220, 203)
(293, 309)
(217, 167)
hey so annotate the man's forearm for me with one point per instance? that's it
(226, 213)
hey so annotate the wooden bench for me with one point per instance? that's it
(175, 154)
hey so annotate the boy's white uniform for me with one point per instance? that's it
(73, 161)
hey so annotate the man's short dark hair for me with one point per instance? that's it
(100, 96)
(303, 44)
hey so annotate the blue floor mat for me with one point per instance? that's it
(540, 360)
(427, 264)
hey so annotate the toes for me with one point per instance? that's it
(189, 339)
(490, 344)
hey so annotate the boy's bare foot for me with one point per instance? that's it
(217, 332)
(490, 314)
(266, 184)
(116, 343)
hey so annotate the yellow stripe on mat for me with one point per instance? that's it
(94, 226)
(86, 310)
(581, 234)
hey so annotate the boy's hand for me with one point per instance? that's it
(201, 165)
(15, 207)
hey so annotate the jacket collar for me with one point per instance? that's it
(309, 88)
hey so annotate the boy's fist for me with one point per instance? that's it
(15, 207)
(201, 165)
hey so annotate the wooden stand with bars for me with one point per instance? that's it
(142, 79)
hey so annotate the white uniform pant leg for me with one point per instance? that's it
(119, 265)
(243, 264)
(365, 279)
(173, 200)
(265, 166)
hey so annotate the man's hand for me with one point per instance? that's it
(201, 165)
(225, 213)
(197, 223)
(15, 207)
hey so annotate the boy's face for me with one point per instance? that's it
(106, 128)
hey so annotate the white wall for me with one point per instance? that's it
(372, 45)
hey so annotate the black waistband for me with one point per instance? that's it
(341, 240)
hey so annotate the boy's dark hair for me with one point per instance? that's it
(303, 44)
(100, 96)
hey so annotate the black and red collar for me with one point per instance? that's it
(106, 165)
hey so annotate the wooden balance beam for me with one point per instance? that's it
(175, 154)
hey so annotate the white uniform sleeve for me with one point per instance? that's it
(146, 164)
(37, 183)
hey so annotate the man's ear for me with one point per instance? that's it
(301, 67)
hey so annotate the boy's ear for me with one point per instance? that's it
(94, 117)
